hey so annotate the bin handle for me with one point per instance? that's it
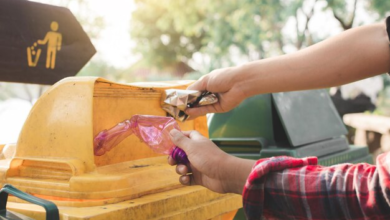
(51, 209)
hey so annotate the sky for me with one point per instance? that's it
(114, 44)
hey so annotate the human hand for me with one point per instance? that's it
(224, 83)
(209, 166)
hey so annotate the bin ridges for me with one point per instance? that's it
(56, 188)
(134, 165)
(118, 92)
(151, 96)
(130, 168)
(98, 182)
(61, 184)
(62, 201)
(74, 198)
(214, 208)
(44, 173)
(144, 86)
(146, 207)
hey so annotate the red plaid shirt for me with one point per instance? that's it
(290, 188)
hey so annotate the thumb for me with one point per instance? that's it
(179, 139)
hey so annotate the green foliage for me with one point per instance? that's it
(101, 69)
(168, 31)
(250, 25)
(380, 6)
(338, 6)
(342, 13)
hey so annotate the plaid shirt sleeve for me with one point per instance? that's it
(290, 188)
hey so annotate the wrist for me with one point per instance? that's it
(243, 79)
(235, 172)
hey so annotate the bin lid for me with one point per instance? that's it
(308, 116)
(288, 119)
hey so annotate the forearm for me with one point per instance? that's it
(352, 55)
(235, 173)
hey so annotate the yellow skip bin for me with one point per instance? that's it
(54, 158)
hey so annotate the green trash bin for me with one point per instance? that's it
(297, 124)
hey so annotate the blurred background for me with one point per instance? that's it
(153, 40)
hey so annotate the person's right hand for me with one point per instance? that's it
(223, 82)
(209, 166)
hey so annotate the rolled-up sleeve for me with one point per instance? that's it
(292, 188)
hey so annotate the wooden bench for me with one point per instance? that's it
(371, 130)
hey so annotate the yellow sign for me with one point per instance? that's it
(53, 39)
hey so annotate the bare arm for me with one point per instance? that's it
(350, 56)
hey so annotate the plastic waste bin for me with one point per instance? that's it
(297, 124)
(54, 158)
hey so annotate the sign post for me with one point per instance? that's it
(40, 43)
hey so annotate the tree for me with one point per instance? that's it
(298, 7)
(382, 7)
(169, 31)
(341, 14)
(224, 31)
(252, 26)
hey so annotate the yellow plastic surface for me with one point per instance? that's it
(189, 203)
(54, 158)
(113, 103)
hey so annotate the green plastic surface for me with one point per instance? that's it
(289, 119)
(252, 118)
(318, 149)
(348, 156)
(308, 116)
(367, 159)
(51, 209)
(240, 145)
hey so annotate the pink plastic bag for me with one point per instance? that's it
(153, 130)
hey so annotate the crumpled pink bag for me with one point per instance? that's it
(153, 130)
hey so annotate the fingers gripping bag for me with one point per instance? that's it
(152, 130)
